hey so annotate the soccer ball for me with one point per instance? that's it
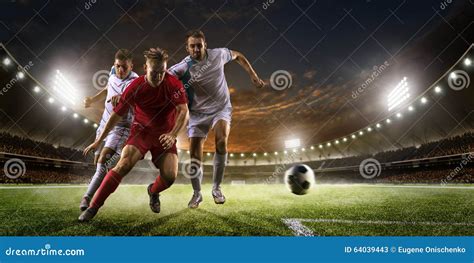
(299, 179)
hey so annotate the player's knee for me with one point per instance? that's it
(169, 175)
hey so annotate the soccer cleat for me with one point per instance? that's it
(85, 202)
(88, 214)
(155, 205)
(219, 198)
(195, 200)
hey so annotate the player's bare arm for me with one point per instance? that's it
(113, 120)
(244, 63)
(168, 139)
(97, 97)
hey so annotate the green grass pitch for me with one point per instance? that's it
(250, 210)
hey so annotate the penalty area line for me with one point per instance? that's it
(296, 224)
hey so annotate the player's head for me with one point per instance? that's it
(155, 65)
(123, 63)
(196, 44)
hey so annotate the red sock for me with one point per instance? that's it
(160, 185)
(107, 187)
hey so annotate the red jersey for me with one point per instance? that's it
(154, 107)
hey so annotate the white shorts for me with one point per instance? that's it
(115, 140)
(200, 124)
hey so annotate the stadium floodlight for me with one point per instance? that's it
(285, 152)
(353, 136)
(328, 144)
(231, 155)
(95, 126)
(242, 155)
(75, 115)
(86, 121)
(320, 146)
(63, 108)
(312, 147)
(398, 95)
(276, 153)
(399, 115)
(303, 149)
(467, 62)
(344, 139)
(369, 129)
(452, 75)
(388, 121)
(20, 75)
(187, 152)
(437, 89)
(51, 100)
(424, 100)
(410, 108)
(265, 154)
(361, 133)
(208, 154)
(254, 154)
(293, 143)
(63, 87)
(378, 125)
(7, 61)
(36, 89)
(295, 150)
(337, 141)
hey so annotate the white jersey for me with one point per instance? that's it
(116, 86)
(205, 81)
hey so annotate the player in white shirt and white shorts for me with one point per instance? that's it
(202, 74)
(121, 75)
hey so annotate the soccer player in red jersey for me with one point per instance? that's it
(160, 105)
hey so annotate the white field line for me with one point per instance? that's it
(296, 224)
(399, 186)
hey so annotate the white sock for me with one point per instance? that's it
(99, 175)
(220, 161)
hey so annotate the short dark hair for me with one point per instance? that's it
(123, 54)
(196, 34)
(156, 53)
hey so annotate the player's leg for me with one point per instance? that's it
(106, 156)
(167, 163)
(130, 156)
(196, 148)
(221, 130)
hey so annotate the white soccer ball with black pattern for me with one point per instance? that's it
(299, 179)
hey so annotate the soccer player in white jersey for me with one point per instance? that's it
(107, 155)
(202, 73)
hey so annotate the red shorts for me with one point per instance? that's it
(146, 141)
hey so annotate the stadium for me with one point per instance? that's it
(393, 156)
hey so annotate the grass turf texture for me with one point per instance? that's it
(250, 210)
